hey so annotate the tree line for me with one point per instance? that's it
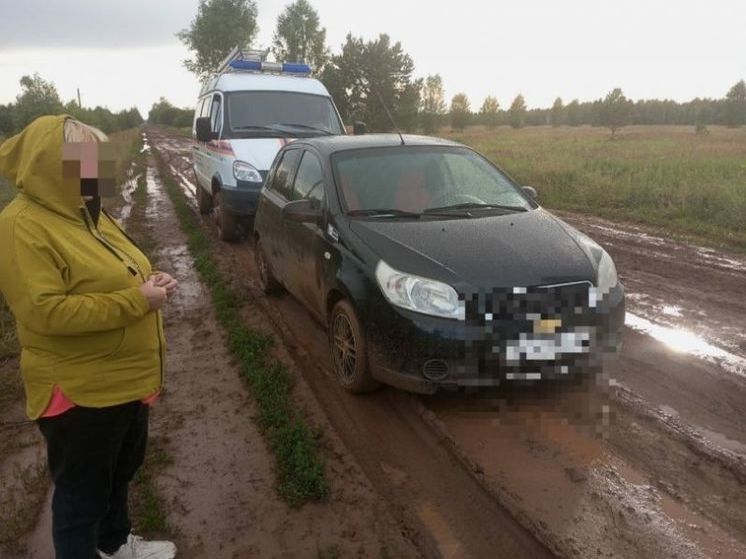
(612, 111)
(40, 97)
(366, 75)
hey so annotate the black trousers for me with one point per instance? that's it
(93, 454)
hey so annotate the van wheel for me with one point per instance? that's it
(204, 200)
(267, 281)
(349, 350)
(226, 221)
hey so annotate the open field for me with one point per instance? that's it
(667, 177)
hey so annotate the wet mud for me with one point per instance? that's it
(651, 465)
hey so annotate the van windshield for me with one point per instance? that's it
(280, 113)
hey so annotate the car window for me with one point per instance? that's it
(283, 177)
(418, 178)
(309, 181)
(216, 114)
(476, 176)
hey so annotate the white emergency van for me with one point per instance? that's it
(244, 115)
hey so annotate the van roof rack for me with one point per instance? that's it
(252, 60)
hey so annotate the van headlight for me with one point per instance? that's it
(243, 171)
(418, 294)
(606, 279)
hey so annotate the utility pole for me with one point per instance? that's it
(79, 105)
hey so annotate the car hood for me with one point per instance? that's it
(521, 249)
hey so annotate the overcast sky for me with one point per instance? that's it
(122, 54)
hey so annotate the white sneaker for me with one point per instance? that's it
(137, 548)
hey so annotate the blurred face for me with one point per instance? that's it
(91, 163)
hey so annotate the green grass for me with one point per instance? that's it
(301, 473)
(663, 176)
(146, 506)
(136, 224)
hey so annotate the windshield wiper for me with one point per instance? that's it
(475, 206)
(257, 128)
(307, 127)
(383, 212)
(254, 127)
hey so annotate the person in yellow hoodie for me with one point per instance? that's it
(87, 307)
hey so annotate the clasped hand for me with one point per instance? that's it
(157, 289)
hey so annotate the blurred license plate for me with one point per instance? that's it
(546, 347)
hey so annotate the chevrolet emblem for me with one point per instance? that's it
(546, 326)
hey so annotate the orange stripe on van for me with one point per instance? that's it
(220, 146)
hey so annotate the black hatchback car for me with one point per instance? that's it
(430, 267)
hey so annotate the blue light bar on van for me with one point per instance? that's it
(257, 66)
(296, 68)
(246, 65)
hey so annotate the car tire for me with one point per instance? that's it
(349, 350)
(226, 221)
(204, 200)
(267, 281)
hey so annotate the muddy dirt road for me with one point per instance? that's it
(662, 474)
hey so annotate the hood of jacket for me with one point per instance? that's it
(32, 160)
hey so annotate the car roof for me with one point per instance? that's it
(255, 81)
(328, 145)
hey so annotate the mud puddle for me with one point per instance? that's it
(553, 465)
(658, 485)
(685, 341)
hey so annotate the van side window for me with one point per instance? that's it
(205, 107)
(283, 177)
(216, 114)
(309, 181)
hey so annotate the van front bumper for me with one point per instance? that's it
(241, 200)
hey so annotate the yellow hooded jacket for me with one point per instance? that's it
(73, 287)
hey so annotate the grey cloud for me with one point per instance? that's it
(92, 23)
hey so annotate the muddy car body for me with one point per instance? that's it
(430, 267)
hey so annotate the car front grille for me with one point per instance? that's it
(536, 331)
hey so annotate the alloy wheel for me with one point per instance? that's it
(345, 354)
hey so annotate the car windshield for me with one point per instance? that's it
(281, 112)
(434, 180)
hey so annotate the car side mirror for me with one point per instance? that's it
(530, 191)
(359, 128)
(204, 129)
(302, 211)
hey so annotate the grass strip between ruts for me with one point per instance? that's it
(301, 472)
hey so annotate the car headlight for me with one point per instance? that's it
(418, 294)
(606, 279)
(242, 171)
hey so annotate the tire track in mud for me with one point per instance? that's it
(440, 506)
(219, 486)
(660, 484)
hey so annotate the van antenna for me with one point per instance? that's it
(391, 118)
